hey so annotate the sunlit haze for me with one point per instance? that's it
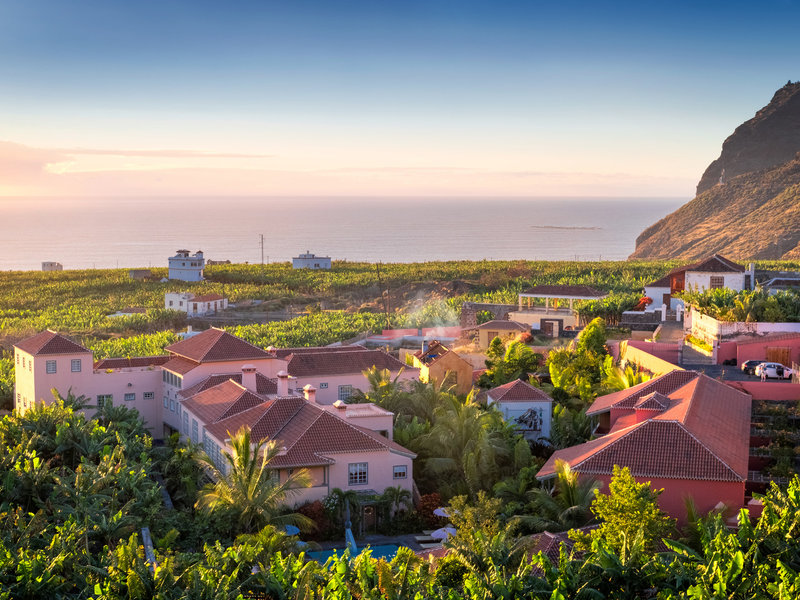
(406, 98)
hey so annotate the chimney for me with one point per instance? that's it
(249, 377)
(310, 392)
(283, 383)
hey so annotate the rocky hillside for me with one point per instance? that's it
(748, 200)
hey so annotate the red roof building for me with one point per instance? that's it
(683, 432)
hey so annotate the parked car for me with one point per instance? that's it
(749, 366)
(773, 370)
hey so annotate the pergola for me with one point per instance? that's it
(559, 292)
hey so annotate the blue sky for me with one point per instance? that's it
(377, 98)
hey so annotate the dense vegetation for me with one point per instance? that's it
(756, 305)
(75, 493)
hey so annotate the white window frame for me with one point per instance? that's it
(75, 365)
(358, 474)
(104, 400)
(129, 397)
(148, 395)
(323, 386)
(398, 469)
(51, 367)
(345, 392)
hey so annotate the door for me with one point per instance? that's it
(547, 328)
(667, 300)
(779, 354)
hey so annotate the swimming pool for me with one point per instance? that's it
(386, 551)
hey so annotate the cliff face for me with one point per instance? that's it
(748, 200)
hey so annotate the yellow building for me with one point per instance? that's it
(443, 366)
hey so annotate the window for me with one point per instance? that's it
(172, 405)
(399, 472)
(717, 281)
(50, 366)
(186, 423)
(129, 397)
(323, 386)
(166, 402)
(357, 474)
(170, 302)
(104, 400)
(180, 303)
(75, 365)
(345, 391)
(149, 396)
(194, 431)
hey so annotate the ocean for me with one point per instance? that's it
(143, 232)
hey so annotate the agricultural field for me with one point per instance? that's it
(348, 300)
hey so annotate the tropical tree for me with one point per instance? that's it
(564, 505)
(396, 498)
(507, 363)
(249, 488)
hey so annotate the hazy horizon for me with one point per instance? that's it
(500, 99)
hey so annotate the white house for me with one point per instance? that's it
(311, 261)
(526, 406)
(195, 305)
(50, 265)
(185, 267)
(713, 272)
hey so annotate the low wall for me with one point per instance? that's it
(709, 329)
(757, 350)
(768, 390)
(663, 350)
(647, 361)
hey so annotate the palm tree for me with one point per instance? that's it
(250, 489)
(566, 505)
(396, 498)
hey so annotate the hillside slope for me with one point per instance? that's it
(748, 200)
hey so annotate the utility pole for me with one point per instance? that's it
(262, 249)
(384, 298)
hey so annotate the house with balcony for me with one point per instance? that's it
(549, 309)
(184, 267)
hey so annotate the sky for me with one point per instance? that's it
(380, 98)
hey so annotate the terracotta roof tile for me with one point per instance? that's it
(518, 391)
(653, 401)
(221, 401)
(565, 291)
(133, 362)
(49, 343)
(703, 434)
(215, 345)
(264, 385)
(715, 264)
(179, 365)
(665, 281)
(665, 384)
(307, 432)
(284, 352)
(334, 363)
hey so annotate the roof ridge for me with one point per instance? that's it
(620, 433)
(699, 441)
(292, 416)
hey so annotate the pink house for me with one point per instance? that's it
(346, 447)
(336, 375)
(211, 384)
(683, 432)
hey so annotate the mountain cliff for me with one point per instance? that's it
(748, 200)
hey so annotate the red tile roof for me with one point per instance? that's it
(434, 352)
(340, 363)
(215, 345)
(518, 391)
(505, 325)
(308, 433)
(564, 291)
(49, 343)
(264, 385)
(666, 384)
(703, 434)
(665, 281)
(284, 352)
(132, 362)
(179, 365)
(654, 401)
(221, 401)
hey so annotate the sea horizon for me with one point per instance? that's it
(129, 231)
